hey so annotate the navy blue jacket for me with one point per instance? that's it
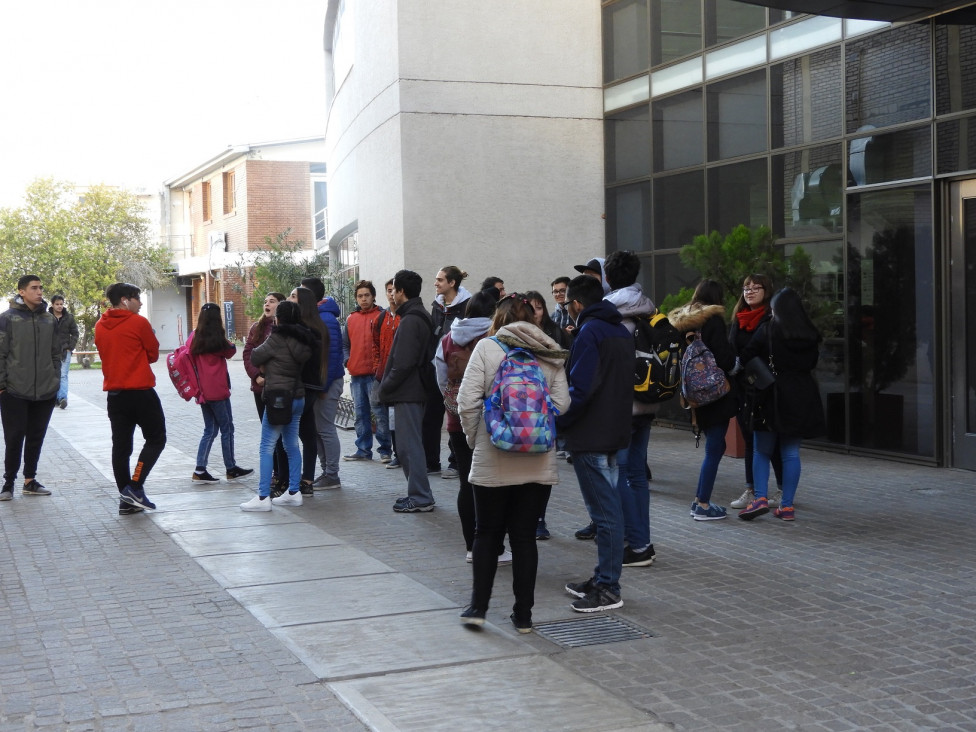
(601, 382)
(329, 312)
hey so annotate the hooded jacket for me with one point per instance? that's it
(282, 358)
(601, 382)
(710, 321)
(409, 368)
(329, 312)
(66, 328)
(384, 331)
(465, 334)
(127, 345)
(442, 315)
(489, 465)
(631, 302)
(212, 371)
(30, 352)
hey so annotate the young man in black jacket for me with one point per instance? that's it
(595, 427)
(409, 372)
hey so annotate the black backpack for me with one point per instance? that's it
(658, 349)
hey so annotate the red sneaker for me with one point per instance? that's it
(785, 513)
(757, 508)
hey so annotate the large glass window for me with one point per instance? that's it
(625, 34)
(805, 99)
(737, 116)
(891, 324)
(955, 68)
(956, 145)
(628, 140)
(895, 156)
(737, 194)
(629, 217)
(675, 29)
(808, 192)
(681, 201)
(726, 20)
(679, 131)
(888, 78)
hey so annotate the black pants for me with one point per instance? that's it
(126, 410)
(24, 426)
(308, 435)
(516, 509)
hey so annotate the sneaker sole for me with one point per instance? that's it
(539, 537)
(473, 622)
(393, 467)
(709, 518)
(6, 496)
(134, 502)
(37, 493)
(414, 509)
(207, 482)
(601, 608)
(132, 510)
(753, 514)
(353, 459)
(641, 563)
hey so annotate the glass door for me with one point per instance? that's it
(962, 322)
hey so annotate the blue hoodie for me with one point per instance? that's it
(329, 312)
(601, 382)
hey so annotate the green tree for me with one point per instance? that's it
(280, 267)
(78, 246)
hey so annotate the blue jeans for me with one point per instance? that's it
(635, 495)
(597, 476)
(714, 449)
(217, 416)
(789, 450)
(289, 436)
(63, 388)
(361, 386)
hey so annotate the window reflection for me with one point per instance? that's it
(678, 131)
(676, 29)
(628, 141)
(956, 145)
(726, 20)
(681, 199)
(737, 195)
(629, 217)
(955, 73)
(625, 35)
(808, 192)
(737, 116)
(805, 99)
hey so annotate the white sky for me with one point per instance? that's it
(131, 93)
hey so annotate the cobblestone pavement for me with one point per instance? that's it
(857, 616)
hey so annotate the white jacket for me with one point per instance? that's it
(491, 466)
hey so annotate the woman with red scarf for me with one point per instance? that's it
(751, 310)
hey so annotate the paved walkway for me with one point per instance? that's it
(342, 615)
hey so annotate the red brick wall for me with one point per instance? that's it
(279, 197)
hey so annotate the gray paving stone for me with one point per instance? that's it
(251, 538)
(288, 565)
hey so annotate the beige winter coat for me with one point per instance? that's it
(491, 466)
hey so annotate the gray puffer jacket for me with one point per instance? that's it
(282, 357)
(30, 352)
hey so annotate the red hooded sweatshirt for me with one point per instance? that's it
(127, 345)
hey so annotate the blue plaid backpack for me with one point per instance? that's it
(519, 414)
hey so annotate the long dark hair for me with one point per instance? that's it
(280, 297)
(790, 319)
(309, 308)
(512, 308)
(209, 336)
(708, 292)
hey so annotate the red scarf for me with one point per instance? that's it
(749, 319)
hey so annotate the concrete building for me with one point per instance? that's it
(466, 134)
(217, 215)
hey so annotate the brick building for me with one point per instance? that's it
(218, 214)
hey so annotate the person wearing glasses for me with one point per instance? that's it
(560, 314)
(127, 346)
(751, 311)
(30, 373)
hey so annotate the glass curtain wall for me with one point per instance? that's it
(837, 148)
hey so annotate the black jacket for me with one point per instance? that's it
(601, 383)
(410, 368)
(792, 406)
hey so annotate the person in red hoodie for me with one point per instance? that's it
(127, 345)
(210, 350)
(383, 333)
(357, 343)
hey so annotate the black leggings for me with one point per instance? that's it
(126, 410)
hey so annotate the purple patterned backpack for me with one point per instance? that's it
(519, 414)
(702, 381)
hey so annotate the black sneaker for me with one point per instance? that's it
(236, 472)
(521, 625)
(598, 599)
(411, 506)
(587, 532)
(136, 497)
(7, 494)
(203, 477)
(306, 488)
(472, 616)
(35, 489)
(278, 486)
(580, 589)
(127, 510)
(639, 559)
(325, 483)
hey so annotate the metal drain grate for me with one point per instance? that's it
(591, 631)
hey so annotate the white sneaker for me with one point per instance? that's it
(288, 499)
(468, 557)
(747, 497)
(256, 504)
(449, 473)
(775, 499)
(505, 558)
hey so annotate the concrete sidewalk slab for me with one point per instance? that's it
(245, 539)
(319, 562)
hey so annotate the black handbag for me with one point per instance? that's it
(277, 406)
(758, 374)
